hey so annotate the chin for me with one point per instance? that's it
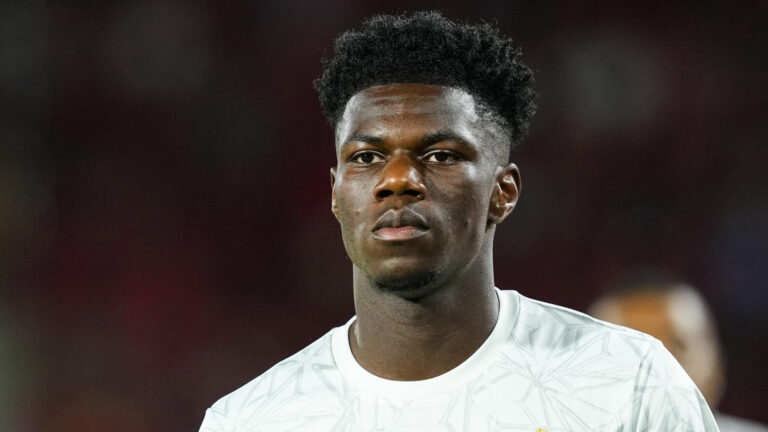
(408, 286)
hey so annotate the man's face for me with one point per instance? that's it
(417, 172)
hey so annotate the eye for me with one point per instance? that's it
(441, 157)
(366, 158)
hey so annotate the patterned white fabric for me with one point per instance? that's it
(543, 367)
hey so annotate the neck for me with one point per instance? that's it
(409, 339)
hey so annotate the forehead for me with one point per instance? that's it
(663, 314)
(409, 106)
(644, 311)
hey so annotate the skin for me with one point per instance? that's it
(420, 156)
(678, 317)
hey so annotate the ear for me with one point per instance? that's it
(505, 194)
(334, 207)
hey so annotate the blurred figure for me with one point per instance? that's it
(678, 316)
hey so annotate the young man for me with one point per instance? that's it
(425, 112)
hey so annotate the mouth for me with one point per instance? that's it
(399, 225)
(399, 234)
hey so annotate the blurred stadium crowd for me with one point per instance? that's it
(165, 224)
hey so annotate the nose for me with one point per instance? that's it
(400, 177)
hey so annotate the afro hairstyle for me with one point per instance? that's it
(427, 48)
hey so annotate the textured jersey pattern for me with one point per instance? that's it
(553, 369)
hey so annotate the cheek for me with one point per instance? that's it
(467, 194)
(470, 213)
(351, 205)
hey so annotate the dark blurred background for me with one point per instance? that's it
(165, 224)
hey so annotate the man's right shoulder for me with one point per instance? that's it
(297, 378)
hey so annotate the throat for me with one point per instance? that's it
(411, 341)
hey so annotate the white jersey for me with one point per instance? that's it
(543, 368)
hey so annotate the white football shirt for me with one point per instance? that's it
(543, 368)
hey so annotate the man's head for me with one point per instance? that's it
(427, 48)
(677, 315)
(425, 111)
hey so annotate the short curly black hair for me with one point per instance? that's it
(427, 48)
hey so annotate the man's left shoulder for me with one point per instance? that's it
(545, 326)
(620, 370)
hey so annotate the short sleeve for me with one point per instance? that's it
(666, 399)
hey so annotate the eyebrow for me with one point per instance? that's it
(361, 137)
(427, 140)
(442, 136)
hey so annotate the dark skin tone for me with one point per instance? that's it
(421, 182)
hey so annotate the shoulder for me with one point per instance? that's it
(285, 381)
(545, 325)
(666, 398)
(618, 369)
(590, 359)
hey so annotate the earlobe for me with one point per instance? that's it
(334, 207)
(505, 194)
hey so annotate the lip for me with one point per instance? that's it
(401, 233)
(398, 225)
(400, 218)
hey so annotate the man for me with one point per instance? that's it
(679, 317)
(425, 111)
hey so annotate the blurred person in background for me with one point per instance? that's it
(678, 316)
(426, 112)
